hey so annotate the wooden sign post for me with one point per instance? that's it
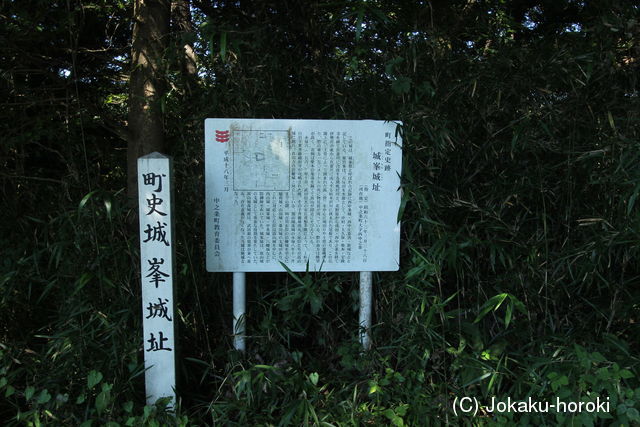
(321, 195)
(157, 272)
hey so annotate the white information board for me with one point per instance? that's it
(322, 192)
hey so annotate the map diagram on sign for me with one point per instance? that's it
(261, 160)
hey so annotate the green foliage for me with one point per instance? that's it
(520, 219)
(494, 304)
(91, 404)
(575, 374)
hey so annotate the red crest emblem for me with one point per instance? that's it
(222, 136)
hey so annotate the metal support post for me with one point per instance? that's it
(365, 309)
(239, 304)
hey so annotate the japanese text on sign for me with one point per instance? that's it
(322, 192)
(156, 272)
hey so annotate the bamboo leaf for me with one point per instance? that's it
(223, 45)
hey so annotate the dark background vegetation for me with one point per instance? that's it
(520, 224)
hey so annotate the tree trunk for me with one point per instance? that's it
(183, 28)
(146, 86)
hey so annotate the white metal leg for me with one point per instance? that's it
(239, 304)
(365, 309)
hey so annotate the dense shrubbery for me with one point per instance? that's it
(521, 230)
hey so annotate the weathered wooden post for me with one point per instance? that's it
(157, 272)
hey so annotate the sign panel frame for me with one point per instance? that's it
(321, 195)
